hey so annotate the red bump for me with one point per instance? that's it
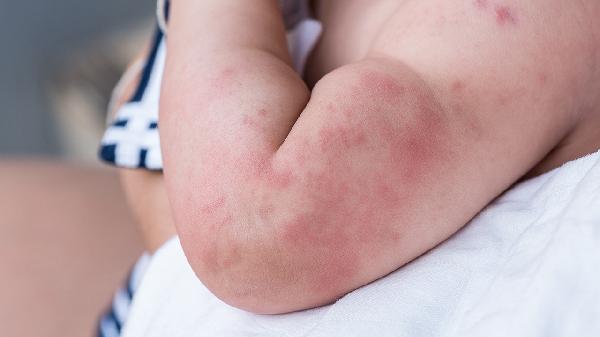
(457, 86)
(381, 84)
(330, 107)
(248, 121)
(337, 139)
(265, 212)
(542, 79)
(301, 153)
(281, 179)
(224, 80)
(388, 195)
(265, 171)
(504, 15)
(481, 4)
(213, 206)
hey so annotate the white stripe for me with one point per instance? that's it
(121, 304)
(124, 136)
(152, 93)
(154, 159)
(138, 271)
(161, 16)
(128, 155)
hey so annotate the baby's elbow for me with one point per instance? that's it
(270, 274)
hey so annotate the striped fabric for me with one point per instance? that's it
(131, 139)
(113, 320)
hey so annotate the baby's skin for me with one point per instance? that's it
(288, 192)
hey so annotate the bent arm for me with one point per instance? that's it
(283, 203)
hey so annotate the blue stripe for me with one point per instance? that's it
(109, 318)
(110, 315)
(113, 317)
(153, 125)
(129, 288)
(141, 89)
(120, 123)
(108, 153)
(143, 155)
(167, 9)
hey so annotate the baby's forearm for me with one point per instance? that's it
(229, 99)
(227, 64)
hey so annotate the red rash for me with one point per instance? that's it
(210, 251)
(328, 228)
(381, 86)
(369, 159)
(212, 207)
(224, 79)
(250, 122)
(481, 4)
(263, 170)
(279, 178)
(347, 218)
(341, 137)
(256, 121)
(301, 152)
(457, 86)
(346, 183)
(504, 15)
(222, 84)
(542, 79)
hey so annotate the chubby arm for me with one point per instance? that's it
(284, 202)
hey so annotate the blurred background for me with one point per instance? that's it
(59, 62)
(66, 236)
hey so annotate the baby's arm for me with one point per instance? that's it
(392, 154)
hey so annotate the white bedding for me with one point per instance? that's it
(527, 265)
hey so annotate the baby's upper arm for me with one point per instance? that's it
(516, 74)
(507, 64)
(397, 151)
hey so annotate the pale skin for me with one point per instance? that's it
(289, 192)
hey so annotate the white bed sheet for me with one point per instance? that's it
(527, 265)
